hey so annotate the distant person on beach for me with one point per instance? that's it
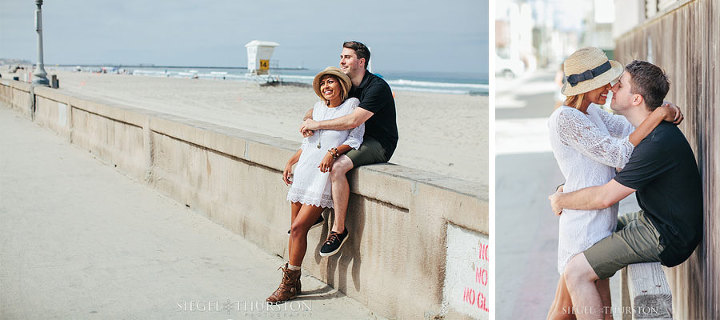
(588, 144)
(310, 190)
(663, 172)
(377, 112)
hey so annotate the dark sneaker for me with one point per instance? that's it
(334, 243)
(317, 223)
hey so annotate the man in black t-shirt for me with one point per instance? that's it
(377, 112)
(663, 172)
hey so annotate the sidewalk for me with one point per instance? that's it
(80, 240)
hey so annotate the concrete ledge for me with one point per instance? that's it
(381, 182)
(645, 292)
(116, 112)
(395, 258)
(6, 92)
(17, 85)
(18, 95)
(52, 94)
(53, 114)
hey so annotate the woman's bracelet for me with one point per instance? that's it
(334, 152)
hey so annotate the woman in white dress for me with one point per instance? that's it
(589, 144)
(310, 187)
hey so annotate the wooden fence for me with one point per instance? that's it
(684, 42)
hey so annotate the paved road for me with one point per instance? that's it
(80, 240)
(525, 174)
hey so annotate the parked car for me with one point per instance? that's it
(508, 67)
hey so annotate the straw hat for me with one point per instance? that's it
(345, 82)
(588, 69)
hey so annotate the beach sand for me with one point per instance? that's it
(441, 133)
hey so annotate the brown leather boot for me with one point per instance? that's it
(289, 287)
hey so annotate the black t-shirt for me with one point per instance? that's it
(375, 96)
(662, 169)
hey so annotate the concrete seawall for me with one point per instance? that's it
(400, 219)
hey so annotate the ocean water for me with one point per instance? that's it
(438, 82)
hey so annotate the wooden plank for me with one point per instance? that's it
(625, 299)
(649, 291)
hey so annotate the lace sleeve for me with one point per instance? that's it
(617, 125)
(577, 131)
(355, 138)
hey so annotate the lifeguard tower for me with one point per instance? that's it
(259, 53)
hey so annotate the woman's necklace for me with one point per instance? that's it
(319, 145)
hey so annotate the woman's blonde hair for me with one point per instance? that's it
(575, 101)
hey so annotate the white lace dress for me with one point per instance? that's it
(588, 148)
(310, 185)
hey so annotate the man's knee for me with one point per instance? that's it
(579, 270)
(340, 167)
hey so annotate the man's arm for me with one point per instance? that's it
(591, 198)
(346, 122)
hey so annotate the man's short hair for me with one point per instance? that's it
(649, 81)
(361, 51)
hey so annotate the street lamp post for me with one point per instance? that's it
(40, 76)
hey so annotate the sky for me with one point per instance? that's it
(421, 35)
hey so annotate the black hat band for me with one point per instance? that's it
(574, 79)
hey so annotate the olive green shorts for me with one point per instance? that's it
(370, 151)
(634, 241)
